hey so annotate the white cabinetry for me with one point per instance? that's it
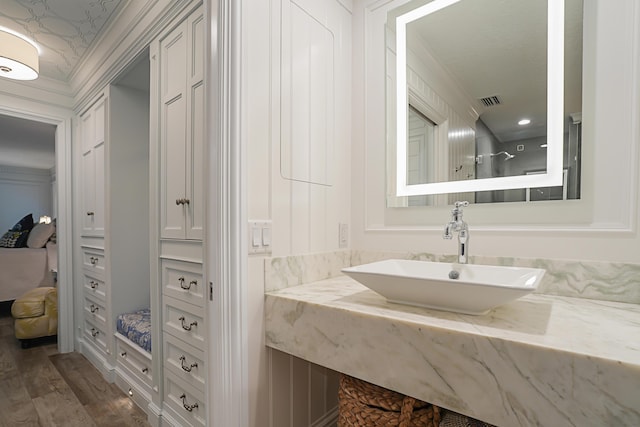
(179, 65)
(182, 101)
(92, 134)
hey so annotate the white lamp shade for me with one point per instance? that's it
(18, 58)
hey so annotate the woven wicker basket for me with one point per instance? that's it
(362, 404)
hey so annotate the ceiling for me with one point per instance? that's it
(63, 29)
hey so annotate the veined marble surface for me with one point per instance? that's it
(603, 281)
(538, 361)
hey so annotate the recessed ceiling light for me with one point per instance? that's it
(524, 122)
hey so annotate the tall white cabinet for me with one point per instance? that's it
(182, 98)
(177, 64)
(93, 145)
(94, 329)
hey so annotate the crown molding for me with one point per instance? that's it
(130, 33)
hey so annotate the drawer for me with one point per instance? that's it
(96, 335)
(185, 321)
(183, 280)
(185, 361)
(93, 261)
(95, 287)
(136, 361)
(184, 401)
(95, 310)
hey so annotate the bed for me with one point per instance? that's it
(22, 269)
(28, 258)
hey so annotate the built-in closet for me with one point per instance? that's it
(141, 151)
(114, 133)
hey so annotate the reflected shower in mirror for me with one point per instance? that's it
(477, 98)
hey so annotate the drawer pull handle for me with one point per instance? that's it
(93, 308)
(186, 405)
(123, 354)
(187, 327)
(94, 332)
(90, 213)
(145, 370)
(187, 287)
(93, 284)
(93, 260)
(186, 367)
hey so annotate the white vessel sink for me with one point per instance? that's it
(478, 288)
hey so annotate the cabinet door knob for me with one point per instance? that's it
(93, 308)
(145, 370)
(94, 332)
(93, 260)
(186, 201)
(179, 202)
(93, 284)
(123, 354)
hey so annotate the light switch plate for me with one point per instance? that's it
(259, 237)
(343, 235)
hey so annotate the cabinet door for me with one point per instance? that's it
(99, 187)
(88, 193)
(92, 167)
(173, 133)
(196, 129)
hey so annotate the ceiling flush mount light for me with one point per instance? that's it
(18, 57)
(524, 122)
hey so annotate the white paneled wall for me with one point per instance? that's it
(296, 58)
(311, 64)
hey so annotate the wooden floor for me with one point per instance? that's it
(40, 387)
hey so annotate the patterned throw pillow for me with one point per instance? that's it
(25, 224)
(14, 239)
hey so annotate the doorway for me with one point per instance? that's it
(61, 191)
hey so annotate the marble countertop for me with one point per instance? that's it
(539, 360)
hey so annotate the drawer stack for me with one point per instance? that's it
(184, 331)
(95, 328)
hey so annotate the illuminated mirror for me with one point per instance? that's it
(479, 87)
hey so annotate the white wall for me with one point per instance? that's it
(600, 226)
(305, 216)
(24, 191)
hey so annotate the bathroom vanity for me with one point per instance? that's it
(540, 360)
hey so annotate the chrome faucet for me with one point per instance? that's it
(458, 225)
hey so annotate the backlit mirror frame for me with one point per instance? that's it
(555, 111)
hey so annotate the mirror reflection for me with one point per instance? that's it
(477, 98)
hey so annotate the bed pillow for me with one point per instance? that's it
(40, 234)
(25, 224)
(14, 239)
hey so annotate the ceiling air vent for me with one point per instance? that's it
(490, 101)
